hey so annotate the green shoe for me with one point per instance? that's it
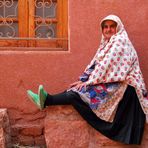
(42, 96)
(34, 98)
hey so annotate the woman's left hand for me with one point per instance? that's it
(80, 86)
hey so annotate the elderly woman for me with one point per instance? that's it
(110, 95)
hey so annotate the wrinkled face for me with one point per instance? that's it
(109, 29)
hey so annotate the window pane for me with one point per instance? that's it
(45, 12)
(8, 18)
(9, 30)
(45, 8)
(8, 8)
(45, 31)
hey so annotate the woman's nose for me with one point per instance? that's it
(108, 28)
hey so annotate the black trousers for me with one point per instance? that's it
(64, 98)
(129, 121)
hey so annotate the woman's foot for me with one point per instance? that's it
(38, 99)
(34, 98)
(42, 96)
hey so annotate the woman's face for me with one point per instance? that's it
(109, 29)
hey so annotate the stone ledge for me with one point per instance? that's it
(65, 128)
(28, 135)
(5, 134)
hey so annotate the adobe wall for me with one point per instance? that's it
(20, 70)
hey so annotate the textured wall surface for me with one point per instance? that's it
(24, 70)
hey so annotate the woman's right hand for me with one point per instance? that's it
(75, 84)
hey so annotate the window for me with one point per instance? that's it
(35, 24)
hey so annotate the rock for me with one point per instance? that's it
(65, 128)
(40, 140)
(5, 133)
(34, 130)
(65, 134)
(2, 138)
(28, 134)
(26, 140)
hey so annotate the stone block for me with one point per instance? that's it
(97, 140)
(2, 138)
(26, 140)
(65, 128)
(5, 134)
(40, 140)
(62, 112)
(34, 130)
(65, 134)
(28, 134)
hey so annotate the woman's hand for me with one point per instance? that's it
(78, 85)
(75, 83)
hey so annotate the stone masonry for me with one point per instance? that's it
(5, 138)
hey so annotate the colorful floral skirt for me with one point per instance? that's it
(129, 121)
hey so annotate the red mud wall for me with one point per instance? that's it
(22, 70)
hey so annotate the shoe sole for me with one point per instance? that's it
(33, 101)
(40, 92)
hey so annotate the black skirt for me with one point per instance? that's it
(129, 121)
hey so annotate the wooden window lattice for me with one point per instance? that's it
(34, 23)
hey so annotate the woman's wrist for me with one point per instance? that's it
(89, 82)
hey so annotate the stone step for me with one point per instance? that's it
(5, 133)
(28, 135)
(65, 128)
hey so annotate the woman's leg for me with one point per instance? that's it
(43, 99)
(64, 98)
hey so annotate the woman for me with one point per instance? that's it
(110, 95)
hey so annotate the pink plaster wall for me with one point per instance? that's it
(20, 71)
